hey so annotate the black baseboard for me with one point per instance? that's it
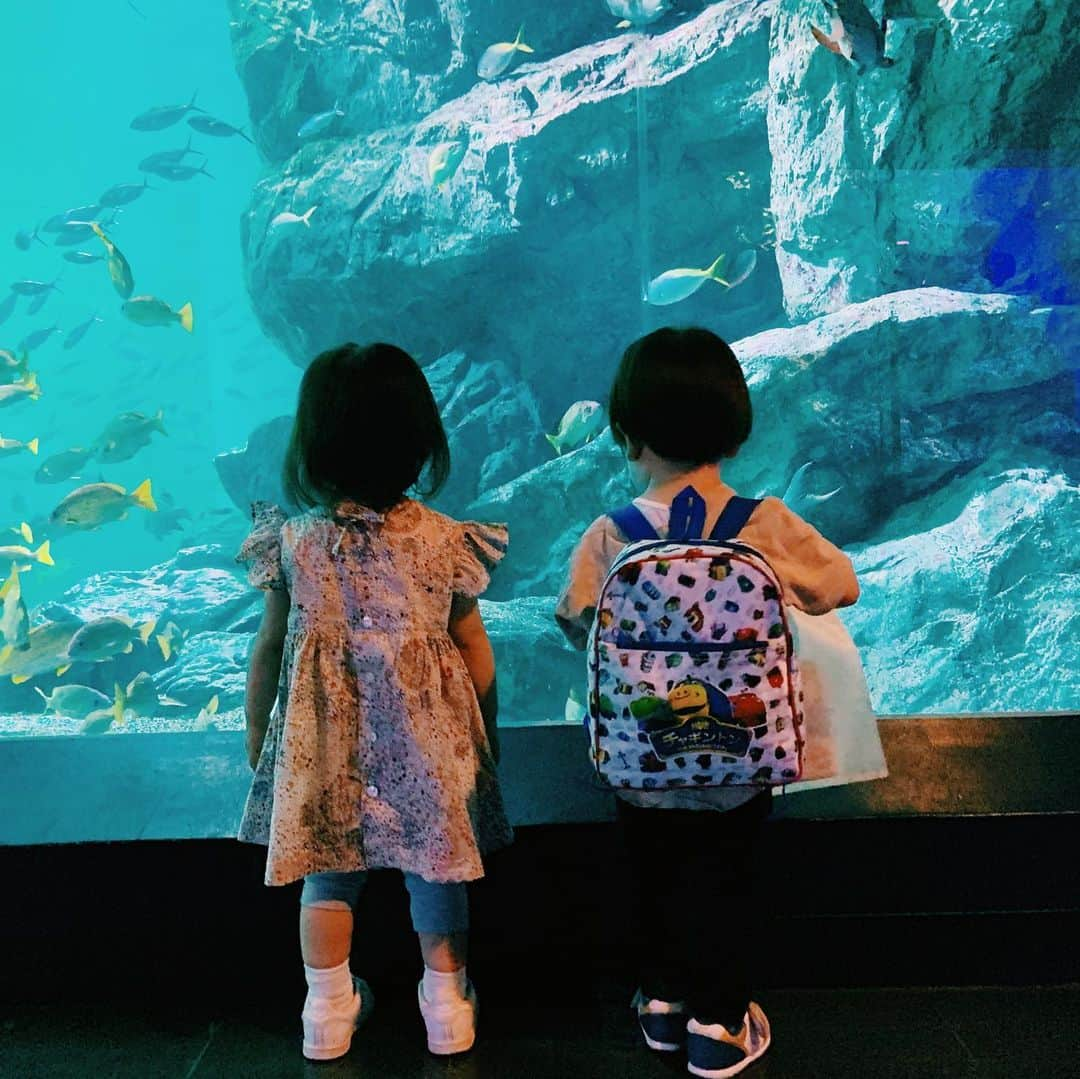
(893, 901)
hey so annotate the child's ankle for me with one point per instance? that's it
(444, 985)
(329, 982)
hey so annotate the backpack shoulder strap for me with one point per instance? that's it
(733, 518)
(633, 524)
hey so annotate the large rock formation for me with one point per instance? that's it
(972, 604)
(942, 169)
(534, 252)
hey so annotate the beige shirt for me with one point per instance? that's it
(815, 574)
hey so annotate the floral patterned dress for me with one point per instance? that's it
(376, 754)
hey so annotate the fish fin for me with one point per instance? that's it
(43, 555)
(24, 364)
(143, 496)
(186, 314)
(17, 679)
(30, 384)
(130, 648)
(823, 39)
(146, 629)
(191, 103)
(11, 583)
(522, 47)
(61, 671)
(212, 705)
(5, 655)
(119, 703)
(306, 218)
(818, 499)
(38, 690)
(27, 532)
(554, 444)
(624, 25)
(32, 446)
(159, 422)
(165, 646)
(714, 270)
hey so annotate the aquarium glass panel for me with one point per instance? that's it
(874, 202)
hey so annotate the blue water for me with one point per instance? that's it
(84, 72)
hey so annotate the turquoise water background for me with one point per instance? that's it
(83, 71)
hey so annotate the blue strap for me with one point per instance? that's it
(687, 516)
(733, 518)
(633, 524)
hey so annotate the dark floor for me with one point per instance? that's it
(818, 1034)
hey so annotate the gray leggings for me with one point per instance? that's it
(434, 907)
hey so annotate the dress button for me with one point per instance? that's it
(373, 791)
(366, 622)
(373, 736)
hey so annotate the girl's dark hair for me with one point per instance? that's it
(682, 393)
(366, 425)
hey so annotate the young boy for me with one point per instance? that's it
(679, 406)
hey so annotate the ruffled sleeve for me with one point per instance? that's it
(261, 550)
(478, 551)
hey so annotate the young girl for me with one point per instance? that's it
(382, 747)
(679, 406)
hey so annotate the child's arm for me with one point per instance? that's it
(589, 564)
(817, 576)
(264, 670)
(468, 634)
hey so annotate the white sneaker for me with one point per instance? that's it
(329, 1023)
(451, 1024)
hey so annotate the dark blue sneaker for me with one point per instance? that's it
(715, 1052)
(663, 1022)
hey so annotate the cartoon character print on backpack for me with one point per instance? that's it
(714, 700)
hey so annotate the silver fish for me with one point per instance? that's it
(208, 125)
(163, 116)
(122, 194)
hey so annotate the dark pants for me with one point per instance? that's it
(693, 876)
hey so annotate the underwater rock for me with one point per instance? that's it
(547, 509)
(385, 62)
(210, 664)
(196, 599)
(924, 172)
(253, 472)
(543, 208)
(932, 348)
(960, 608)
(492, 425)
(535, 665)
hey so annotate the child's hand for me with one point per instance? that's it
(255, 739)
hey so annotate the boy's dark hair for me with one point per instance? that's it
(366, 425)
(682, 393)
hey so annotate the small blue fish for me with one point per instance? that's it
(34, 288)
(182, 172)
(168, 157)
(25, 237)
(163, 116)
(37, 338)
(318, 123)
(76, 334)
(122, 194)
(82, 258)
(208, 125)
(7, 307)
(38, 302)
